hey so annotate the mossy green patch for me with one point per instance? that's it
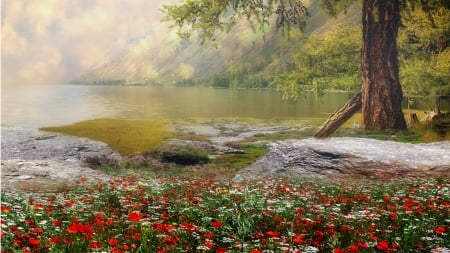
(239, 161)
(125, 136)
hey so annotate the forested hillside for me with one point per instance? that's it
(324, 55)
(244, 53)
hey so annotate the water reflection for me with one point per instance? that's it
(36, 106)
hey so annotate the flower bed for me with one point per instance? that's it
(130, 214)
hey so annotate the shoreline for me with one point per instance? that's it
(35, 159)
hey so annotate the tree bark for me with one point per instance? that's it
(381, 90)
(339, 117)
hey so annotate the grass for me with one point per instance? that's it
(125, 136)
(235, 162)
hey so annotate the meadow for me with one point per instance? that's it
(170, 208)
(167, 214)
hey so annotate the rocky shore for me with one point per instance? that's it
(347, 157)
(37, 160)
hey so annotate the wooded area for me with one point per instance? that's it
(381, 92)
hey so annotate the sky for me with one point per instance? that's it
(54, 41)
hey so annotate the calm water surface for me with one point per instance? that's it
(50, 105)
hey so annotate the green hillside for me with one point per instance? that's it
(324, 55)
(241, 51)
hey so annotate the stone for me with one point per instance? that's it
(42, 161)
(350, 157)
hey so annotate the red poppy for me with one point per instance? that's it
(73, 228)
(338, 251)
(37, 230)
(55, 240)
(171, 240)
(135, 216)
(216, 224)
(272, 234)
(277, 218)
(209, 235)
(298, 239)
(57, 223)
(255, 251)
(34, 242)
(383, 246)
(113, 241)
(221, 249)
(136, 236)
(209, 244)
(165, 215)
(95, 245)
(353, 248)
(189, 226)
(70, 203)
(440, 230)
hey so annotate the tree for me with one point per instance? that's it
(381, 93)
(322, 62)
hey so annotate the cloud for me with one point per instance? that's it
(54, 41)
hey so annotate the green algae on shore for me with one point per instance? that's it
(125, 136)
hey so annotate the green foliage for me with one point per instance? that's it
(184, 156)
(211, 17)
(239, 161)
(423, 50)
(333, 7)
(329, 61)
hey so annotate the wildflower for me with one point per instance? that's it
(34, 242)
(5, 209)
(221, 249)
(171, 240)
(209, 235)
(37, 230)
(165, 215)
(338, 251)
(440, 230)
(353, 248)
(209, 244)
(272, 234)
(57, 223)
(216, 224)
(95, 244)
(135, 216)
(383, 246)
(113, 241)
(55, 240)
(136, 236)
(298, 239)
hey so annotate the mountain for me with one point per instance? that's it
(165, 58)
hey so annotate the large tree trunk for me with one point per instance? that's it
(339, 117)
(381, 90)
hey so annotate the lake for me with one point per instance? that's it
(50, 105)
